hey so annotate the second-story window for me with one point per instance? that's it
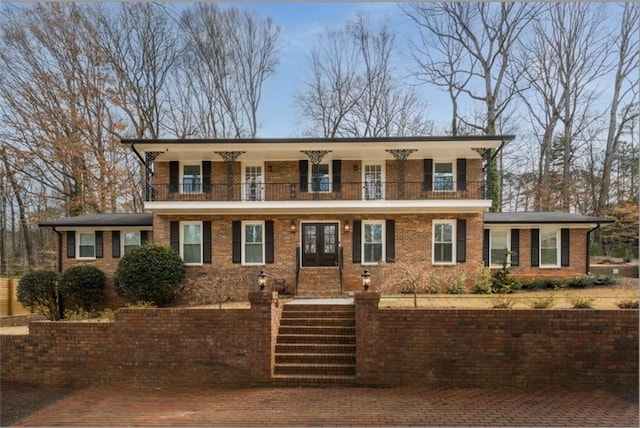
(191, 178)
(253, 183)
(373, 185)
(320, 178)
(443, 176)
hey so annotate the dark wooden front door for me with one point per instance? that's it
(319, 244)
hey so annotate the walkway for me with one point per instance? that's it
(117, 406)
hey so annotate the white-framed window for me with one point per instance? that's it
(130, 240)
(191, 242)
(549, 248)
(443, 176)
(499, 248)
(320, 175)
(444, 241)
(191, 178)
(373, 182)
(253, 181)
(253, 242)
(86, 242)
(372, 241)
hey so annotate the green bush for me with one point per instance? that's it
(39, 290)
(82, 286)
(604, 280)
(581, 302)
(502, 283)
(581, 281)
(628, 303)
(456, 288)
(544, 302)
(152, 273)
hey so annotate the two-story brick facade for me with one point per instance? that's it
(316, 212)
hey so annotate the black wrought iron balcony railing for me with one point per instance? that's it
(321, 190)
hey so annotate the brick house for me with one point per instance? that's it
(315, 212)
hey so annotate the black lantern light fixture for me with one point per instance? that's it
(262, 279)
(366, 279)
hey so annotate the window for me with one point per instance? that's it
(191, 249)
(130, 240)
(320, 177)
(253, 243)
(191, 179)
(443, 176)
(86, 245)
(372, 242)
(549, 248)
(499, 241)
(253, 183)
(443, 240)
(373, 185)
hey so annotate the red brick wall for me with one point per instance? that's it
(486, 348)
(149, 346)
(443, 348)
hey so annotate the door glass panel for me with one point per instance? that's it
(372, 182)
(443, 176)
(253, 183)
(310, 239)
(330, 239)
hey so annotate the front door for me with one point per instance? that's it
(319, 244)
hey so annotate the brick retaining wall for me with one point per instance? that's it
(476, 348)
(485, 348)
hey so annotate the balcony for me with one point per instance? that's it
(316, 191)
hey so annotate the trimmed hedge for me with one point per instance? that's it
(82, 286)
(39, 290)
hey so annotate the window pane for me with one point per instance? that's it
(191, 178)
(443, 253)
(253, 243)
(191, 234)
(87, 239)
(443, 176)
(549, 248)
(253, 233)
(443, 232)
(131, 238)
(372, 242)
(373, 233)
(253, 253)
(498, 247)
(320, 180)
(330, 239)
(309, 239)
(87, 245)
(191, 253)
(253, 183)
(373, 182)
(372, 253)
(549, 257)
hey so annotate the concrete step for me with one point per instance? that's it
(317, 338)
(320, 358)
(326, 322)
(315, 348)
(313, 380)
(317, 369)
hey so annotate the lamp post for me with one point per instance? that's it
(366, 279)
(262, 279)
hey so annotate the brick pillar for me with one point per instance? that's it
(265, 318)
(367, 344)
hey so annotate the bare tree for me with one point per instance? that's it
(228, 55)
(352, 89)
(478, 40)
(624, 100)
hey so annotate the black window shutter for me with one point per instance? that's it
(174, 175)
(515, 247)
(174, 235)
(357, 233)
(206, 242)
(99, 244)
(390, 241)
(337, 175)
(427, 183)
(303, 167)
(485, 247)
(462, 174)
(71, 244)
(564, 247)
(236, 241)
(144, 237)
(535, 247)
(268, 242)
(461, 240)
(206, 176)
(115, 243)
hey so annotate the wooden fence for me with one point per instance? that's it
(9, 304)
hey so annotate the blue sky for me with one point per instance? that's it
(301, 23)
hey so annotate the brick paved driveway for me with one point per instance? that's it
(112, 406)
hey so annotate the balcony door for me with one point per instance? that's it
(253, 182)
(319, 244)
(373, 182)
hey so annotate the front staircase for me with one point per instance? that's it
(320, 282)
(316, 345)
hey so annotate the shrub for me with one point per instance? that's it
(545, 302)
(581, 302)
(503, 302)
(432, 288)
(39, 290)
(82, 286)
(153, 273)
(456, 288)
(502, 282)
(107, 313)
(79, 315)
(543, 284)
(482, 281)
(628, 303)
(141, 304)
(605, 280)
(581, 281)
